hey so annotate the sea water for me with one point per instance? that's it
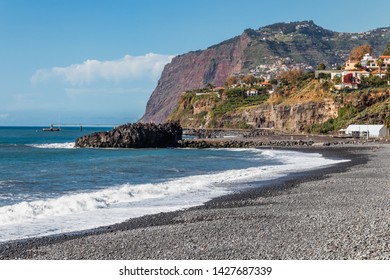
(47, 186)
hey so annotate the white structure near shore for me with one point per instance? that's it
(367, 130)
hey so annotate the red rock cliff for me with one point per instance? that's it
(194, 70)
(304, 44)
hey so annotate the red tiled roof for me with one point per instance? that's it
(376, 71)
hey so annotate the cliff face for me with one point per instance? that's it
(302, 44)
(293, 113)
(194, 70)
(310, 108)
(288, 118)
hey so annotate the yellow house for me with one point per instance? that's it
(350, 64)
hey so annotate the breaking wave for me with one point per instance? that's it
(117, 203)
(67, 145)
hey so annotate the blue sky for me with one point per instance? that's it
(97, 62)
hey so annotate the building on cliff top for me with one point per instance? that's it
(354, 71)
(252, 92)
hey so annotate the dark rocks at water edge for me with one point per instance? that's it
(136, 135)
(258, 142)
(220, 143)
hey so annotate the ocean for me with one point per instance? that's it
(47, 186)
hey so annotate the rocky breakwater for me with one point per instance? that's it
(241, 143)
(316, 141)
(136, 135)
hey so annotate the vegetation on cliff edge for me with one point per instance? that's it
(367, 106)
(205, 109)
(208, 108)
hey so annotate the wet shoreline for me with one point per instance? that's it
(140, 238)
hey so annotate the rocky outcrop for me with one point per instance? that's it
(134, 136)
(299, 43)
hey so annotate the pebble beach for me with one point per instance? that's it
(339, 212)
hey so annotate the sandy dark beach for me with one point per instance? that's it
(339, 212)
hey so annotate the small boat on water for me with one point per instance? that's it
(51, 128)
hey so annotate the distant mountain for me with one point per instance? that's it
(264, 51)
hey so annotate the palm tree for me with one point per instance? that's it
(388, 74)
(379, 62)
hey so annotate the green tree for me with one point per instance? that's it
(324, 76)
(375, 81)
(379, 62)
(337, 80)
(388, 73)
(365, 80)
(358, 66)
(260, 80)
(321, 66)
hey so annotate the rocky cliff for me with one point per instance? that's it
(287, 118)
(194, 70)
(303, 107)
(134, 136)
(308, 108)
(266, 50)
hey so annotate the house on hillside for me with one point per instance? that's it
(333, 73)
(372, 64)
(354, 71)
(350, 80)
(367, 61)
(353, 78)
(252, 92)
(367, 131)
(386, 60)
(351, 64)
(265, 84)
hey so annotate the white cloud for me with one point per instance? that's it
(127, 68)
(4, 116)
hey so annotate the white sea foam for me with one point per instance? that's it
(118, 203)
(67, 145)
